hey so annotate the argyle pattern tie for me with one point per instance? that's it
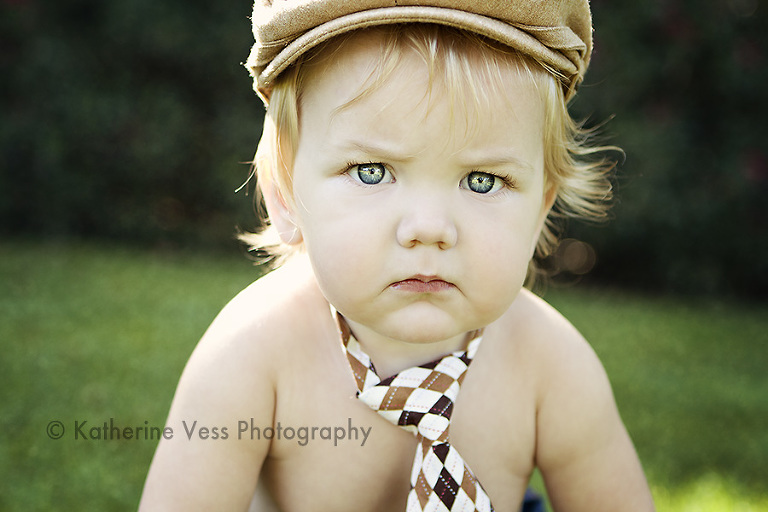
(420, 399)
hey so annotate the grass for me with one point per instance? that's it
(89, 334)
(690, 379)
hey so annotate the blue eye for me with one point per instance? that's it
(482, 182)
(369, 174)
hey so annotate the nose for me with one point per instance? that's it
(427, 222)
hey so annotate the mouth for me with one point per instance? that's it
(423, 284)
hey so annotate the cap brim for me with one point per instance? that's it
(516, 37)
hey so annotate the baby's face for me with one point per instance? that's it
(419, 216)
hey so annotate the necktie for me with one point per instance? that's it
(420, 399)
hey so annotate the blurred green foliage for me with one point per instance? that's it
(125, 119)
(685, 80)
(131, 120)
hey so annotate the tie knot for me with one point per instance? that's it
(423, 411)
(420, 398)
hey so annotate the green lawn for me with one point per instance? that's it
(691, 383)
(89, 334)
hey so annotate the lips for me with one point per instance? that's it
(422, 284)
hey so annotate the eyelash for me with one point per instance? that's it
(352, 165)
(507, 180)
(501, 184)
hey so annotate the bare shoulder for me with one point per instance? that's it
(540, 320)
(545, 339)
(553, 342)
(562, 364)
(582, 447)
(231, 375)
(571, 381)
(241, 349)
(261, 317)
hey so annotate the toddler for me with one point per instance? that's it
(413, 160)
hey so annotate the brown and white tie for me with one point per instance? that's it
(420, 399)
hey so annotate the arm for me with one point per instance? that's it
(227, 379)
(583, 450)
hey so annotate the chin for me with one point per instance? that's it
(426, 337)
(424, 329)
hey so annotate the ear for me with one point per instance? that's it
(280, 214)
(264, 94)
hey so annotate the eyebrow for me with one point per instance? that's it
(501, 157)
(383, 151)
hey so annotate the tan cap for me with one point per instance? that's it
(555, 32)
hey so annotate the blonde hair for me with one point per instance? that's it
(469, 65)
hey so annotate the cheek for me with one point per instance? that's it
(342, 235)
(499, 253)
(505, 229)
(345, 250)
(495, 280)
(500, 265)
(334, 221)
(333, 264)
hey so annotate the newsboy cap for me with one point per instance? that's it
(557, 33)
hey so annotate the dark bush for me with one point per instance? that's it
(126, 119)
(131, 120)
(685, 81)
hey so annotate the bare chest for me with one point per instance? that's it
(332, 452)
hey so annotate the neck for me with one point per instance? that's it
(392, 356)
